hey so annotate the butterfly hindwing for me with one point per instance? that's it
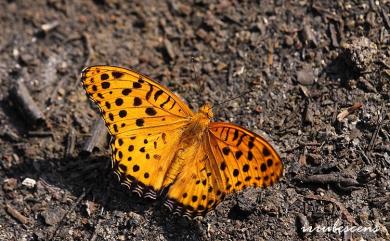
(243, 158)
(196, 189)
(229, 159)
(143, 160)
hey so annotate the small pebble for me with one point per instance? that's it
(305, 76)
(9, 184)
(289, 41)
(28, 182)
(52, 216)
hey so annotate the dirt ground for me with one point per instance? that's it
(319, 76)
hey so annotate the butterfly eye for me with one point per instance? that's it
(207, 109)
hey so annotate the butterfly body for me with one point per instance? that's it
(159, 144)
(198, 125)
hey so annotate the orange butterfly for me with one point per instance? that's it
(158, 143)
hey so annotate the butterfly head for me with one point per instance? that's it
(199, 123)
(207, 110)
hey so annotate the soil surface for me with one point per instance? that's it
(318, 73)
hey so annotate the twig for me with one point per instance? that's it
(94, 235)
(16, 214)
(343, 114)
(270, 57)
(308, 35)
(334, 117)
(230, 73)
(22, 98)
(343, 210)
(70, 143)
(303, 223)
(81, 197)
(195, 76)
(301, 143)
(327, 179)
(327, 13)
(97, 139)
(380, 120)
(40, 133)
(49, 26)
(169, 49)
(9, 134)
(89, 49)
(333, 36)
(385, 18)
(88, 53)
(365, 157)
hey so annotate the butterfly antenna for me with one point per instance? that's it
(196, 77)
(236, 97)
(193, 67)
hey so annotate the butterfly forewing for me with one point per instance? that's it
(130, 101)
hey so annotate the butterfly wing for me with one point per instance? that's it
(130, 102)
(196, 190)
(144, 118)
(230, 159)
(243, 158)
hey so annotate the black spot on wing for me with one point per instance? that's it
(116, 74)
(139, 122)
(157, 94)
(136, 85)
(240, 140)
(174, 103)
(119, 101)
(226, 150)
(104, 76)
(223, 166)
(105, 85)
(126, 91)
(238, 154)
(220, 134)
(122, 113)
(149, 93)
(266, 152)
(250, 155)
(227, 134)
(165, 102)
(141, 80)
(150, 111)
(235, 136)
(137, 101)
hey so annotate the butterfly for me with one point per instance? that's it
(161, 148)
